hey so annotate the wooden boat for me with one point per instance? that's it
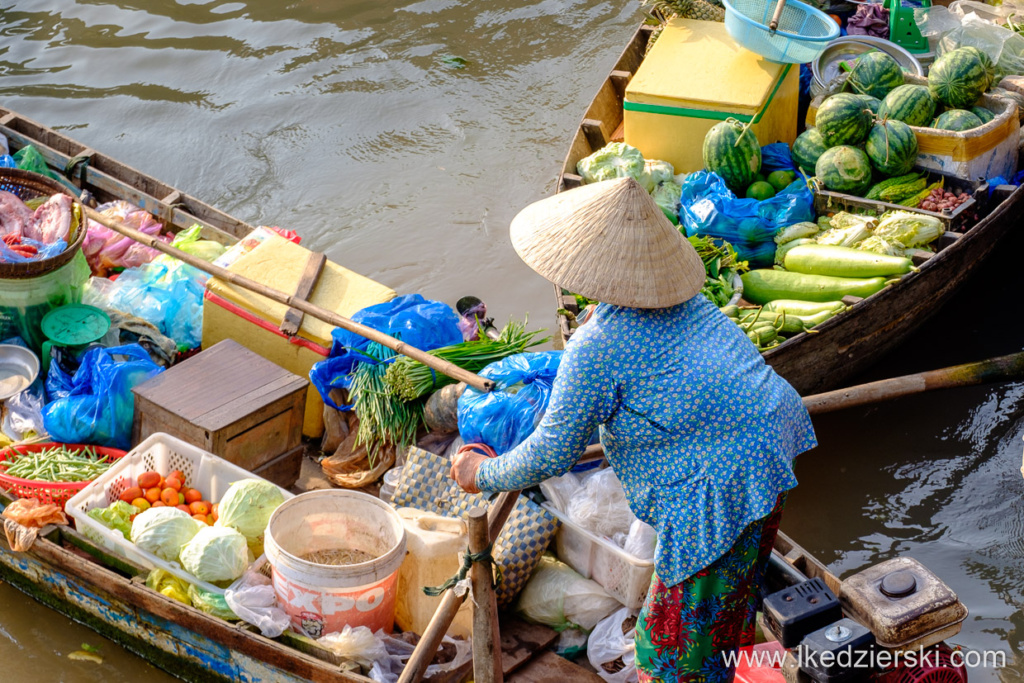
(847, 344)
(67, 572)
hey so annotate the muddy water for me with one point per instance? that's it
(401, 138)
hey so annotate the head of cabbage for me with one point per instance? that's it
(216, 554)
(247, 506)
(163, 531)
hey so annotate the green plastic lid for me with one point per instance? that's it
(75, 325)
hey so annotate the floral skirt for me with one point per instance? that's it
(683, 631)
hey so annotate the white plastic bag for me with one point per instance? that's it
(23, 415)
(966, 24)
(608, 643)
(641, 541)
(600, 506)
(557, 596)
(387, 670)
(255, 602)
(560, 490)
(358, 645)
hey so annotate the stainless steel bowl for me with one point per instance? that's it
(847, 48)
(19, 367)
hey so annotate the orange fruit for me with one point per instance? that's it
(215, 511)
(200, 507)
(141, 503)
(158, 504)
(183, 508)
(153, 494)
(192, 495)
(179, 475)
(173, 483)
(148, 480)
(169, 496)
(131, 494)
(199, 518)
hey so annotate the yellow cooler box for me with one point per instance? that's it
(230, 312)
(696, 76)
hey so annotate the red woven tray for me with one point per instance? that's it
(57, 493)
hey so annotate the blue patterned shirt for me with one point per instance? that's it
(701, 432)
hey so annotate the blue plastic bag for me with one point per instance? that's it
(43, 251)
(7, 161)
(99, 408)
(504, 417)
(776, 157)
(419, 322)
(170, 296)
(708, 207)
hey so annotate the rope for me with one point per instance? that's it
(467, 562)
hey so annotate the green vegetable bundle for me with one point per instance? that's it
(56, 464)
(384, 418)
(409, 379)
(721, 263)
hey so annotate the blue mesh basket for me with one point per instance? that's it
(802, 35)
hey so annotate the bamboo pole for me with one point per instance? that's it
(497, 515)
(486, 638)
(330, 317)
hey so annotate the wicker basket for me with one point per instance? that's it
(28, 185)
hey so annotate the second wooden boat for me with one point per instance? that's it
(846, 344)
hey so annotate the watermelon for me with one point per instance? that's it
(875, 74)
(957, 79)
(843, 119)
(957, 119)
(892, 148)
(873, 103)
(732, 153)
(986, 61)
(807, 147)
(844, 169)
(911, 104)
(984, 114)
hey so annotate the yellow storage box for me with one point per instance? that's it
(696, 76)
(252, 320)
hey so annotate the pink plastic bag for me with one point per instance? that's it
(105, 249)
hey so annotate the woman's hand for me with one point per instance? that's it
(464, 467)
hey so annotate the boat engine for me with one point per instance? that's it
(898, 614)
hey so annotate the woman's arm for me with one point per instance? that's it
(582, 397)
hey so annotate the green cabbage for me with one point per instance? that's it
(666, 195)
(655, 173)
(880, 245)
(849, 236)
(247, 506)
(163, 531)
(216, 554)
(116, 517)
(908, 228)
(614, 160)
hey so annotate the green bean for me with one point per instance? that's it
(56, 464)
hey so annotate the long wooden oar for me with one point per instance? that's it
(330, 317)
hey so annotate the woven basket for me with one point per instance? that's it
(56, 492)
(27, 185)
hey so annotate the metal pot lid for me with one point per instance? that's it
(847, 48)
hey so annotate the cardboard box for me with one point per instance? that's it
(230, 312)
(696, 76)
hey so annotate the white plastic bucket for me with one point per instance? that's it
(322, 599)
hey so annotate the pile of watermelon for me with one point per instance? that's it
(865, 136)
(732, 151)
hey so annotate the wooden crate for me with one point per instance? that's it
(226, 400)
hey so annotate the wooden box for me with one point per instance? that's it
(229, 401)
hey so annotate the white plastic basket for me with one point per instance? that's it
(161, 453)
(625, 577)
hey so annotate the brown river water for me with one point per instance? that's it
(401, 138)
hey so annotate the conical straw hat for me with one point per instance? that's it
(609, 241)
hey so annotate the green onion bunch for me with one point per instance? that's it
(383, 417)
(409, 379)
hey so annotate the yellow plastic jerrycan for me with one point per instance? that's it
(434, 546)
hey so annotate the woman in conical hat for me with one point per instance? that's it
(700, 431)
